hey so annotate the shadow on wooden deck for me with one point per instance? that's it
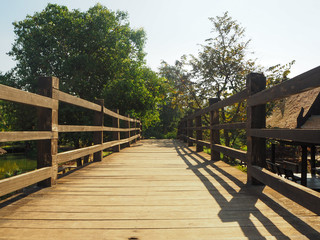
(248, 196)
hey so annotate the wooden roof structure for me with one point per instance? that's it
(297, 111)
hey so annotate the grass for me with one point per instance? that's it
(15, 163)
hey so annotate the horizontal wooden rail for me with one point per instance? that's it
(116, 115)
(78, 153)
(199, 128)
(231, 152)
(20, 96)
(15, 183)
(238, 97)
(200, 142)
(25, 136)
(73, 100)
(297, 135)
(298, 84)
(230, 126)
(304, 196)
(75, 128)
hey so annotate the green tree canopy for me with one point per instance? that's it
(95, 54)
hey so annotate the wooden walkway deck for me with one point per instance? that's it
(157, 189)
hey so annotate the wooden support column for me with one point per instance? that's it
(214, 133)
(140, 129)
(128, 133)
(313, 160)
(199, 148)
(98, 136)
(190, 131)
(273, 153)
(48, 121)
(304, 164)
(185, 129)
(135, 131)
(256, 118)
(116, 135)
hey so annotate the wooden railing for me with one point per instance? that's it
(48, 131)
(257, 133)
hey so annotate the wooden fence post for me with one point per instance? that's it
(214, 133)
(116, 135)
(189, 131)
(304, 165)
(98, 136)
(48, 121)
(199, 147)
(128, 133)
(140, 129)
(256, 118)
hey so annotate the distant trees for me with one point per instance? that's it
(219, 70)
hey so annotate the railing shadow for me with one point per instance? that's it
(254, 192)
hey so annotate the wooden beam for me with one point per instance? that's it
(117, 115)
(231, 152)
(230, 126)
(298, 84)
(296, 135)
(15, 183)
(304, 196)
(98, 120)
(48, 121)
(238, 97)
(74, 128)
(73, 100)
(25, 136)
(19, 96)
(198, 121)
(214, 133)
(116, 135)
(256, 118)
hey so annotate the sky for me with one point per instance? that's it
(280, 30)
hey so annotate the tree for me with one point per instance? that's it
(95, 54)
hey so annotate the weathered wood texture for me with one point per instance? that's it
(157, 189)
(47, 104)
(48, 121)
(256, 118)
(14, 183)
(19, 96)
(298, 84)
(25, 136)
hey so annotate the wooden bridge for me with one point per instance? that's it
(159, 189)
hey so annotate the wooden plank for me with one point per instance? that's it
(199, 128)
(296, 135)
(199, 142)
(231, 152)
(158, 189)
(304, 196)
(112, 129)
(238, 97)
(117, 115)
(230, 126)
(74, 128)
(81, 152)
(25, 136)
(256, 118)
(14, 183)
(19, 96)
(73, 100)
(301, 83)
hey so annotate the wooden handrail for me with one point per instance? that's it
(257, 133)
(48, 104)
